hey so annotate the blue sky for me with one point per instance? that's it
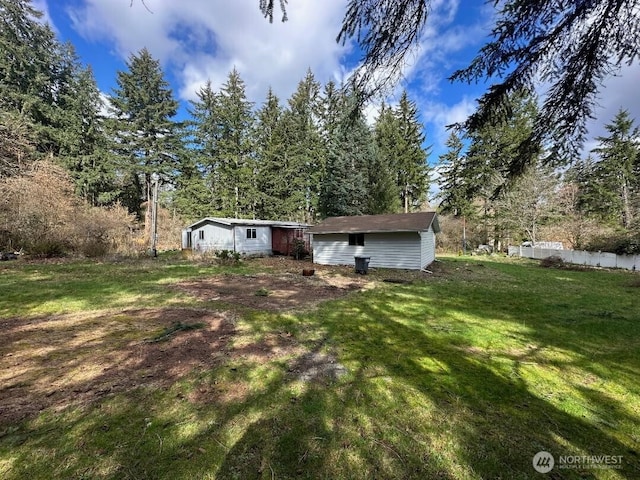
(197, 40)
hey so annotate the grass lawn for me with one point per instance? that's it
(120, 371)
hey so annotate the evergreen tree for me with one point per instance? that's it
(453, 184)
(303, 162)
(331, 111)
(147, 140)
(28, 70)
(351, 154)
(399, 137)
(492, 151)
(83, 140)
(411, 163)
(197, 185)
(615, 173)
(191, 196)
(232, 141)
(271, 143)
(571, 47)
(384, 193)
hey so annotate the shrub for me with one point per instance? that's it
(621, 244)
(40, 213)
(100, 230)
(299, 250)
(227, 257)
(451, 232)
(48, 248)
(553, 261)
(37, 209)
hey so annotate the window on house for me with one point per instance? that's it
(200, 234)
(251, 233)
(356, 239)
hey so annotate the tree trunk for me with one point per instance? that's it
(406, 199)
(627, 215)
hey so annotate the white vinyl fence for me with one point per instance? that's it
(580, 257)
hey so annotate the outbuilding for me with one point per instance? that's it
(404, 240)
(251, 237)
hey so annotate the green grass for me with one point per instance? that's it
(80, 286)
(465, 374)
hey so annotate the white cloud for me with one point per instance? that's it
(41, 5)
(205, 39)
(619, 92)
(442, 42)
(198, 40)
(440, 115)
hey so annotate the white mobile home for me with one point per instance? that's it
(405, 240)
(252, 237)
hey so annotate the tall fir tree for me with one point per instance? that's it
(351, 153)
(614, 174)
(191, 196)
(492, 152)
(400, 138)
(384, 177)
(331, 109)
(29, 71)
(452, 181)
(411, 163)
(196, 190)
(304, 159)
(84, 145)
(271, 144)
(146, 138)
(234, 163)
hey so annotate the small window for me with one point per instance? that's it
(200, 234)
(356, 239)
(251, 233)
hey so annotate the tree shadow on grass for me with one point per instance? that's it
(420, 401)
(362, 428)
(501, 402)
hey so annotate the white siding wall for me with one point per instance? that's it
(260, 244)
(428, 247)
(387, 250)
(216, 237)
(221, 237)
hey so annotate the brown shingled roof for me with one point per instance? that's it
(398, 222)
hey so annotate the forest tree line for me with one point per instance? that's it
(306, 158)
(310, 157)
(588, 202)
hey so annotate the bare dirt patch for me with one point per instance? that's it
(59, 361)
(78, 359)
(273, 291)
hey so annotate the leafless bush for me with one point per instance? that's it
(103, 230)
(36, 208)
(451, 233)
(169, 230)
(40, 214)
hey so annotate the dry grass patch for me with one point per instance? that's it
(65, 360)
(286, 291)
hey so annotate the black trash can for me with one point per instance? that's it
(362, 265)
